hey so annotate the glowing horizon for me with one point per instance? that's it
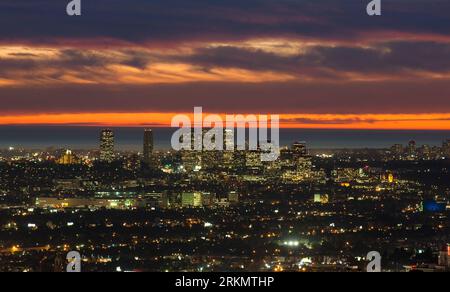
(300, 121)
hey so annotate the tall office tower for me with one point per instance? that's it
(299, 150)
(287, 159)
(302, 161)
(198, 158)
(412, 150)
(228, 139)
(446, 149)
(107, 145)
(425, 152)
(397, 151)
(148, 146)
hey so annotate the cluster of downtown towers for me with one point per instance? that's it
(107, 145)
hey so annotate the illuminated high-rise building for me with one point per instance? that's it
(397, 151)
(412, 150)
(446, 149)
(426, 152)
(228, 154)
(228, 139)
(107, 145)
(287, 159)
(299, 149)
(148, 146)
(301, 159)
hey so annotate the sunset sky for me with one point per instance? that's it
(317, 63)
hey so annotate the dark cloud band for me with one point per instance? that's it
(415, 96)
(188, 20)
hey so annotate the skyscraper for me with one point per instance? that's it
(426, 152)
(446, 149)
(148, 146)
(412, 150)
(107, 146)
(397, 151)
(299, 149)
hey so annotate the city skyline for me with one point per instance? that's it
(319, 64)
(193, 137)
(107, 149)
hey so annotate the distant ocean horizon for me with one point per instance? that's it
(131, 139)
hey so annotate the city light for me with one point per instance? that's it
(221, 142)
